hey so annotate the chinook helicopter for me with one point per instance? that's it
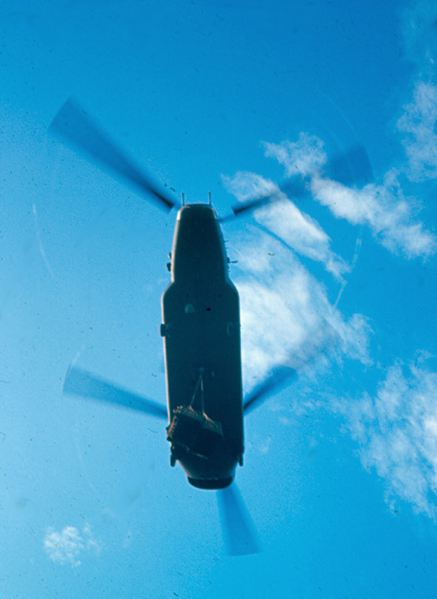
(201, 334)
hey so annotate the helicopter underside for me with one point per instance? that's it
(203, 367)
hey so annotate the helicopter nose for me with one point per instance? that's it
(195, 212)
(198, 247)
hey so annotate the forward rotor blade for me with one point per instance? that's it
(82, 383)
(348, 168)
(238, 529)
(274, 382)
(73, 126)
(295, 188)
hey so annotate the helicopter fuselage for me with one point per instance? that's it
(201, 331)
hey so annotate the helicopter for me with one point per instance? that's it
(200, 330)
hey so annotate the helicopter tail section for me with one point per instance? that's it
(210, 485)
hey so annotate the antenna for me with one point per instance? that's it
(209, 198)
(183, 199)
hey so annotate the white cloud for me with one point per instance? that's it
(66, 546)
(297, 229)
(397, 433)
(301, 233)
(419, 122)
(304, 157)
(383, 209)
(286, 315)
(245, 185)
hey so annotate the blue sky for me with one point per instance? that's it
(340, 468)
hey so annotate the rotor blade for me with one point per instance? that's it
(238, 528)
(274, 382)
(82, 383)
(348, 168)
(73, 126)
(295, 188)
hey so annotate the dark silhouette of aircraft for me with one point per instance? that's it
(201, 333)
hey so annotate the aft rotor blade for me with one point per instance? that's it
(348, 168)
(82, 383)
(238, 528)
(274, 382)
(73, 126)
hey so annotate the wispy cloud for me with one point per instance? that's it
(383, 208)
(419, 123)
(296, 229)
(286, 315)
(305, 157)
(397, 433)
(66, 546)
